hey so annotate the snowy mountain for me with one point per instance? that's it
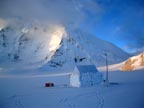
(27, 46)
(131, 64)
(54, 47)
(80, 47)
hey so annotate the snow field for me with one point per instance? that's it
(125, 91)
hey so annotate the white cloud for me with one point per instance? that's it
(50, 11)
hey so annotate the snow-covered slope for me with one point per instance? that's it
(29, 45)
(54, 47)
(80, 47)
(132, 63)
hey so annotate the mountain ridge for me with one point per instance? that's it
(132, 63)
(83, 48)
(55, 47)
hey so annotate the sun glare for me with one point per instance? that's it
(56, 38)
(3, 24)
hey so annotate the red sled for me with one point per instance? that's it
(49, 84)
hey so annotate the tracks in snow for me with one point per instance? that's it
(13, 101)
(17, 101)
(83, 98)
(101, 100)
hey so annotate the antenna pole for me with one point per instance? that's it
(107, 80)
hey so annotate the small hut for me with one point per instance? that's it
(85, 75)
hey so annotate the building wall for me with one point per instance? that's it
(74, 78)
(90, 79)
(85, 79)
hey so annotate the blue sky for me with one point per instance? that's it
(118, 21)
